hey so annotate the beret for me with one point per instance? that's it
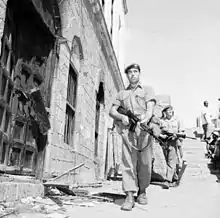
(167, 107)
(132, 66)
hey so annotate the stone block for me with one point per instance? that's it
(76, 21)
(12, 191)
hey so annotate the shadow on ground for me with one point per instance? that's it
(118, 198)
(114, 198)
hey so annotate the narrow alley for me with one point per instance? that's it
(197, 196)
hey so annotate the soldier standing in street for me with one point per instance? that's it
(136, 166)
(173, 152)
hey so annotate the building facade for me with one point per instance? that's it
(59, 74)
(114, 12)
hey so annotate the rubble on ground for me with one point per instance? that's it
(54, 204)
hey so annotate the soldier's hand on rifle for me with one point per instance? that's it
(163, 136)
(124, 120)
(143, 119)
(174, 136)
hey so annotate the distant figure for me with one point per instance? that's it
(206, 119)
(219, 108)
(218, 120)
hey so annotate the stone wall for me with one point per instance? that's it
(77, 21)
(117, 29)
(60, 157)
(2, 17)
(94, 61)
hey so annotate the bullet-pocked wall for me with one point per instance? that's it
(86, 79)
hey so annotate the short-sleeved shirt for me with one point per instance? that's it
(135, 99)
(171, 125)
(206, 116)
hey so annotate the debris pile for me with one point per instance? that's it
(6, 210)
(58, 199)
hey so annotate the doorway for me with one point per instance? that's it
(27, 55)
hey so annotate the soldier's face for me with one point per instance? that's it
(206, 103)
(169, 113)
(133, 75)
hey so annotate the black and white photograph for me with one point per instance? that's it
(109, 108)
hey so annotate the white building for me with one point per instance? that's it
(63, 52)
(114, 12)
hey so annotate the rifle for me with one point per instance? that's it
(178, 135)
(133, 120)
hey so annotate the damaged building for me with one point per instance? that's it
(59, 73)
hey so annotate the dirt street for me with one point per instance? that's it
(198, 195)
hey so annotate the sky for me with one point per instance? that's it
(177, 44)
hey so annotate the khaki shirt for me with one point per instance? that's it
(135, 99)
(172, 125)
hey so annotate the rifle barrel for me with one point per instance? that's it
(152, 134)
(179, 135)
(188, 137)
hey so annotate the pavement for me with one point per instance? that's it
(197, 196)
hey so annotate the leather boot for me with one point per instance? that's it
(129, 202)
(166, 185)
(142, 198)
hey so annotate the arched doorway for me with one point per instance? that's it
(27, 65)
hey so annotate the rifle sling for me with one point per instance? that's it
(139, 150)
(134, 120)
(155, 137)
(132, 146)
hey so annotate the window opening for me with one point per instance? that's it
(70, 106)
